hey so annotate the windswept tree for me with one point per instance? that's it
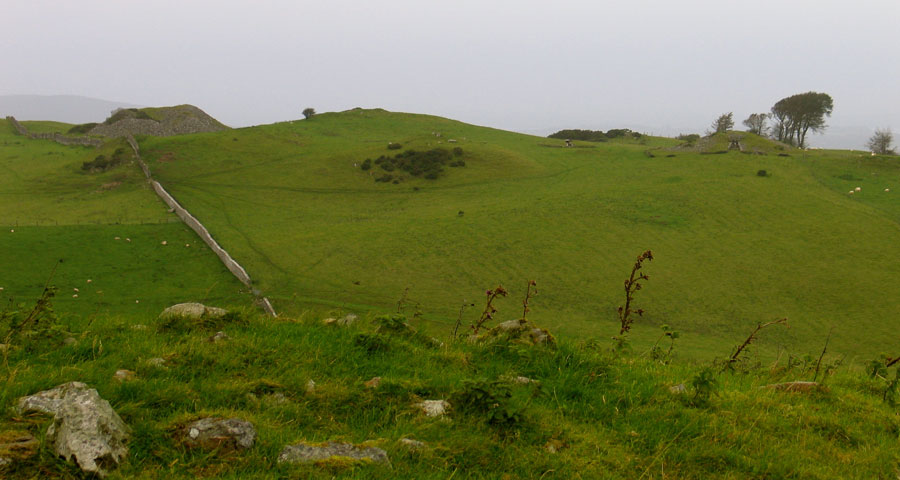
(796, 115)
(881, 141)
(308, 112)
(724, 123)
(756, 123)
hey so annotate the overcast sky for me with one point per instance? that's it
(659, 66)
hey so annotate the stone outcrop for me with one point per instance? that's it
(165, 121)
(85, 428)
(521, 331)
(306, 453)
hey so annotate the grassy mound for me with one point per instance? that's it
(732, 248)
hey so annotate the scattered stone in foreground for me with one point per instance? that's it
(304, 453)
(124, 375)
(373, 383)
(797, 387)
(678, 389)
(219, 337)
(521, 331)
(411, 444)
(193, 311)
(157, 362)
(344, 321)
(213, 433)
(85, 428)
(16, 445)
(310, 386)
(434, 408)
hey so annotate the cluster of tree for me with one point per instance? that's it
(793, 117)
(594, 135)
(429, 164)
(882, 142)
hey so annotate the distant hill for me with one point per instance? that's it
(61, 108)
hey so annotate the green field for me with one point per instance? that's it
(731, 248)
(51, 210)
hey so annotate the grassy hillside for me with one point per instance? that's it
(732, 248)
(107, 227)
(589, 415)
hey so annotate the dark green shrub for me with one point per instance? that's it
(387, 166)
(82, 129)
(366, 164)
(372, 343)
(457, 151)
(394, 146)
(387, 177)
(762, 173)
(491, 399)
(575, 134)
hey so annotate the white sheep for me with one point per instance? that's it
(851, 192)
(857, 189)
(887, 189)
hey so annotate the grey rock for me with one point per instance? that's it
(192, 310)
(310, 386)
(85, 428)
(434, 408)
(69, 341)
(304, 453)
(347, 320)
(212, 433)
(678, 389)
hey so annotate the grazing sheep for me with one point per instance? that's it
(851, 192)
(887, 189)
(857, 189)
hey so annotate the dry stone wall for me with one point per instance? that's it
(56, 137)
(235, 268)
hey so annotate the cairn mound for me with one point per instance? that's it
(158, 122)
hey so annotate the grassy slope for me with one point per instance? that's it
(52, 210)
(732, 248)
(609, 417)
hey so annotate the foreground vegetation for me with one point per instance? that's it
(590, 412)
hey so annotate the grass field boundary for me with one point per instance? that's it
(56, 137)
(233, 266)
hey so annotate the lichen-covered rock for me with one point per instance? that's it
(123, 375)
(212, 433)
(192, 310)
(306, 453)
(411, 444)
(434, 408)
(85, 428)
(521, 331)
(218, 337)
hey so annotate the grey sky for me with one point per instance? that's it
(536, 66)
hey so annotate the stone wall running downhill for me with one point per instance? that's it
(235, 268)
(56, 137)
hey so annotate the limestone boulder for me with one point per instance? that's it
(218, 433)
(305, 453)
(192, 310)
(85, 428)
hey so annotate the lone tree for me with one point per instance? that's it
(308, 112)
(796, 115)
(881, 141)
(756, 123)
(724, 123)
